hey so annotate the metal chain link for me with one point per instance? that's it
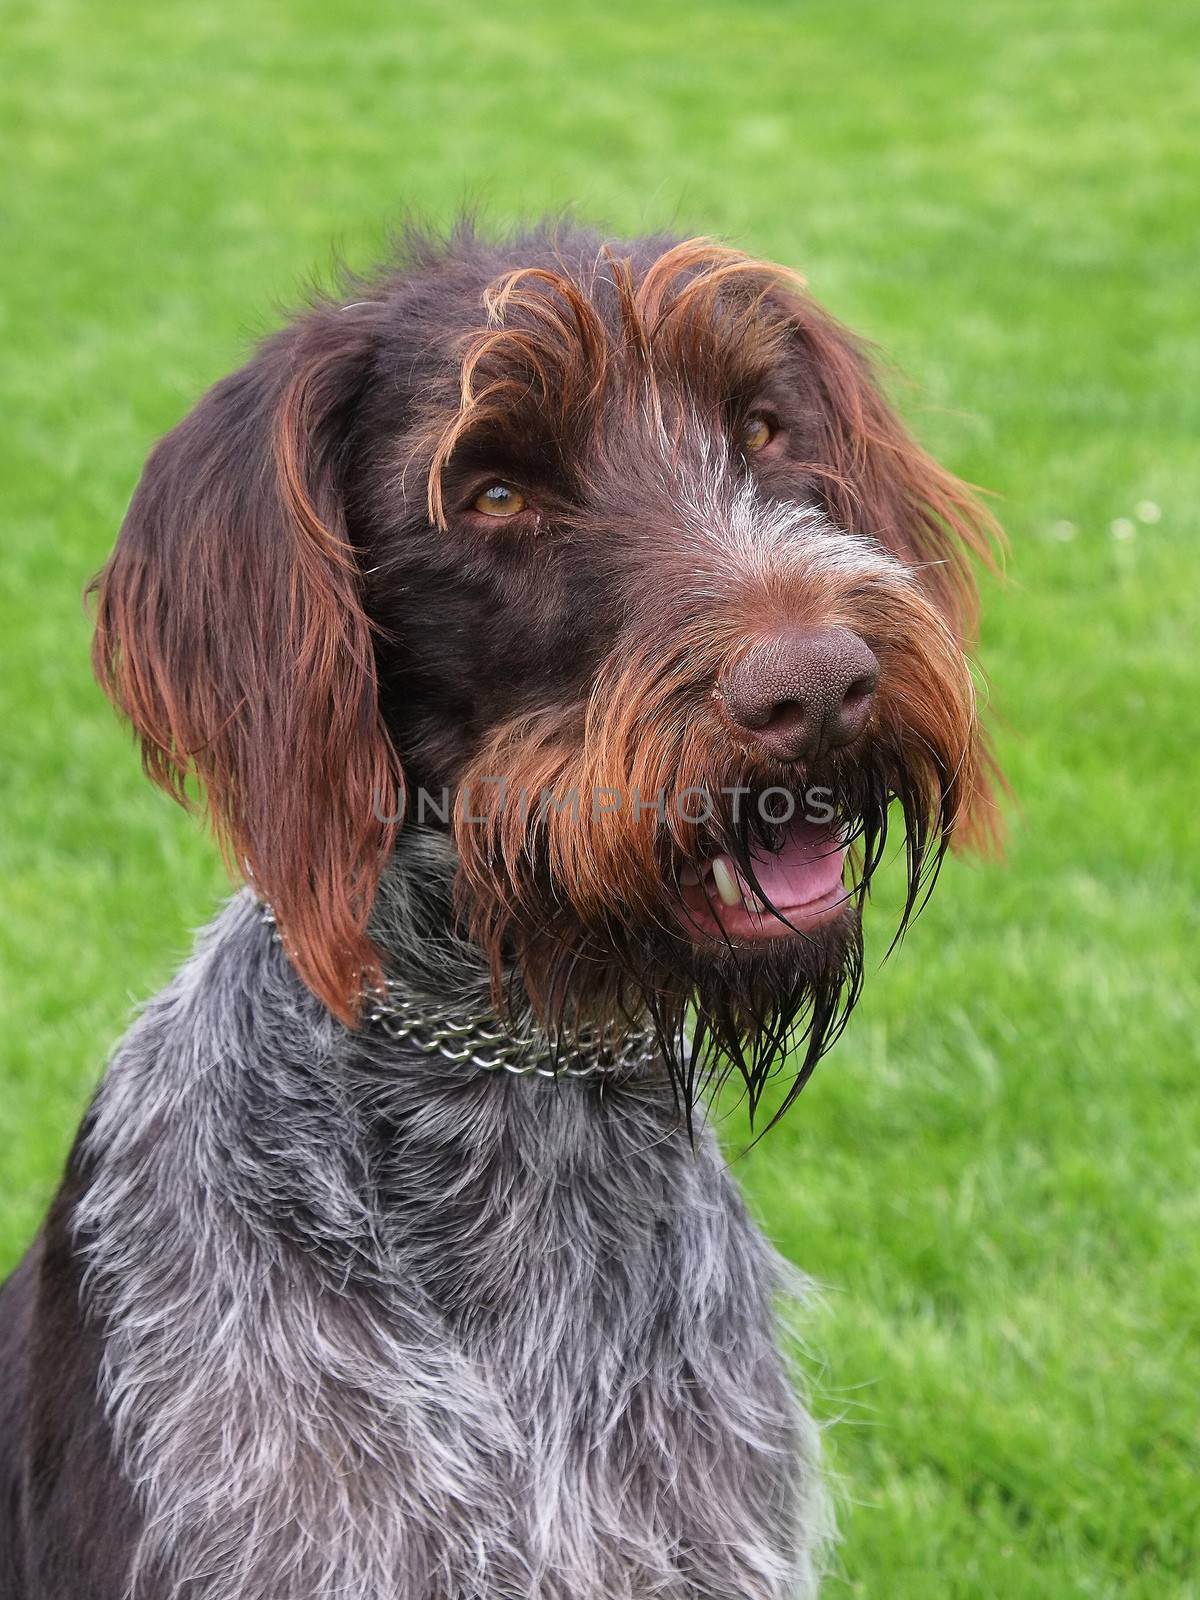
(478, 1039)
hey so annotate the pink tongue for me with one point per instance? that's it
(808, 866)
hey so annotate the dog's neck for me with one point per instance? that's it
(441, 998)
(413, 923)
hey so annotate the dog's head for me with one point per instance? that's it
(619, 550)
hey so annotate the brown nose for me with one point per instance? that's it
(803, 693)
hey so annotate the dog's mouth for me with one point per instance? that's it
(788, 892)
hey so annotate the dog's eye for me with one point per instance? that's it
(756, 432)
(498, 500)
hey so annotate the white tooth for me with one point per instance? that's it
(688, 876)
(727, 885)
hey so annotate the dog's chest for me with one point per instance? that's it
(598, 1276)
(390, 1340)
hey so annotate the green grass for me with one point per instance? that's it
(995, 1174)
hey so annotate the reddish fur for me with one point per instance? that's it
(652, 726)
(231, 633)
(232, 629)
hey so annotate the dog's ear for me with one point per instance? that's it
(231, 632)
(876, 480)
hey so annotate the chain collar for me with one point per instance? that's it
(475, 1037)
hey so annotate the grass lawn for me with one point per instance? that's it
(996, 1173)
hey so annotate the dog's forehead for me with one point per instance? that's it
(620, 351)
(695, 317)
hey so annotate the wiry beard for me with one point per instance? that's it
(724, 1011)
(763, 1012)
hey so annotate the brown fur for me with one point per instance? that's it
(252, 624)
(230, 631)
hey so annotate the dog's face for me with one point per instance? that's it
(615, 559)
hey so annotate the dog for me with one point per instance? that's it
(550, 629)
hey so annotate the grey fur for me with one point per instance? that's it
(381, 1329)
(734, 522)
